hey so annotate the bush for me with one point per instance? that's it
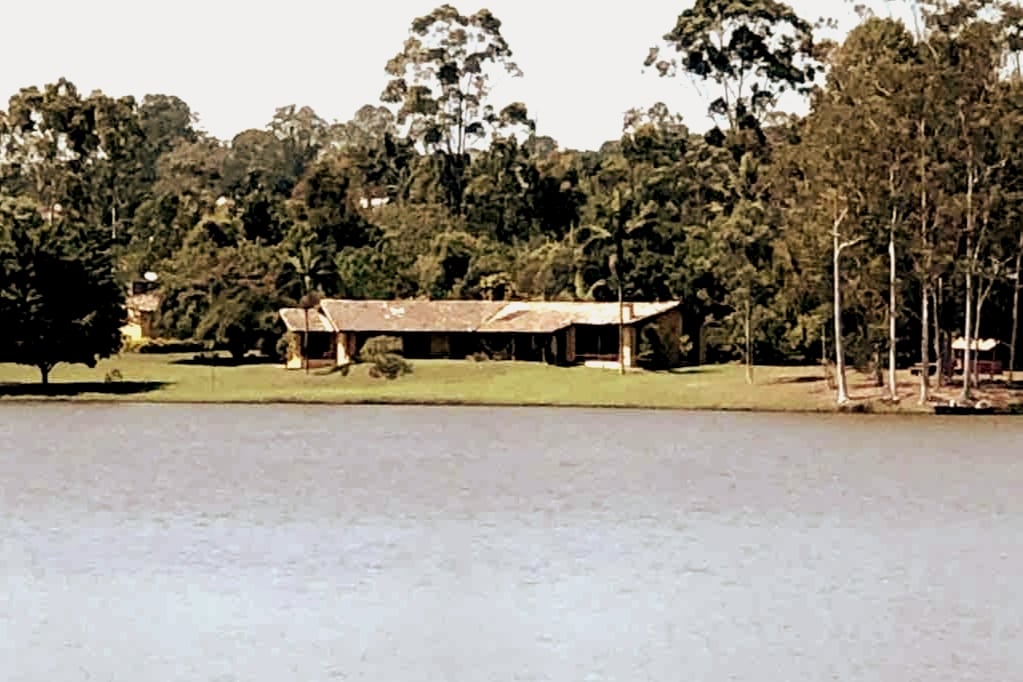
(380, 345)
(288, 345)
(653, 354)
(155, 346)
(384, 352)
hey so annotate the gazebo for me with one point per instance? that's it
(984, 354)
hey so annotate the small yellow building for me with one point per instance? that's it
(141, 315)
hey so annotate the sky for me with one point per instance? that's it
(235, 62)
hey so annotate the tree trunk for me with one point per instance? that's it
(925, 345)
(1015, 310)
(981, 299)
(621, 329)
(925, 351)
(305, 343)
(940, 356)
(968, 328)
(749, 342)
(976, 338)
(967, 374)
(829, 380)
(893, 388)
(843, 392)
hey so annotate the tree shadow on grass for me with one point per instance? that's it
(798, 380)
(75, 388)
(225, 361)
(683, 370)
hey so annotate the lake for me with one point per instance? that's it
(275, 543)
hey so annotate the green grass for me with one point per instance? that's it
(169, 378)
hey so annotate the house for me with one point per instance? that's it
(142, 309)
(562, 333)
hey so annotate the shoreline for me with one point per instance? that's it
(177, 379)
(852, 409)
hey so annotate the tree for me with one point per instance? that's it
(221, 287)
(441, 79)
(752, 51)
(871, 78)
(49, 139)
(977, 50)
(59, 299)
(441, 82)
(620, 216)
(189, 181)
(302, 134)
(118, 180)
(309, 301)
(835, 162)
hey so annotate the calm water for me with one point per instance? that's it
(390, 544)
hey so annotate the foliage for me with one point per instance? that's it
(384, 354)
(59, 299)
(653, 349)
(163, 346)
(441, 79)
(288, 346)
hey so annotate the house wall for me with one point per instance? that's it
(131, 332)
(346, 348)
(323, 351)
(581, 342)
(139, 326)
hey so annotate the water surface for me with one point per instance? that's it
(387, 543)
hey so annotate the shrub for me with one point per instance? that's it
(384, 352)
(380, 345)
(653, 353)
(155, 346)
(288, 345)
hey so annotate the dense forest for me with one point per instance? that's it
(870, 231)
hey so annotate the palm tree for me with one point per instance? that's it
(624, 220)
(307, 267)
(309, 300)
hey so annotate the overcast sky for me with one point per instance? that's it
(234, 62)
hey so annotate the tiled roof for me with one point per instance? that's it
(146, 303)
(294, 320)
(408, 315)
(527, 317)
(541, 317)
(984, 345)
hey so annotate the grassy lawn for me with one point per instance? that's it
(172, 378)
